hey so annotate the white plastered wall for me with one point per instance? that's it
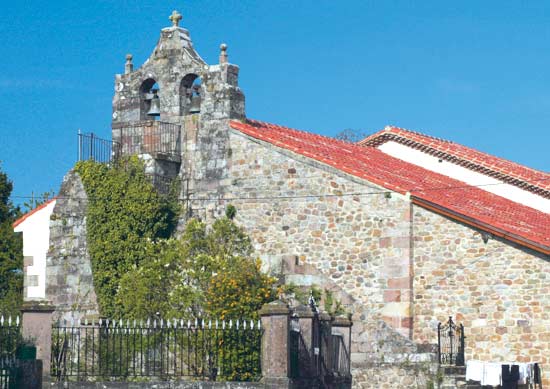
(467, 176)
(36, 241)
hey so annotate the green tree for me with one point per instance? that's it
(207, 272)
(11, 252)
(350, 135)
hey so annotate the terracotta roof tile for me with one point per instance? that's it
(513, 173)
(449, 196)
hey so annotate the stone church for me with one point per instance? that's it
(404, 228)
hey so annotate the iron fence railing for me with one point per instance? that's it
(209, 350)
(149, 137)
(91, 147)
(10, 337)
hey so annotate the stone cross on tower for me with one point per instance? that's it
(175, 18)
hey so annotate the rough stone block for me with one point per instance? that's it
(392, 296)
(399, 283)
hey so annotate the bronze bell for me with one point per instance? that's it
(195, 104)
(154, 109)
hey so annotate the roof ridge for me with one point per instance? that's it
(255, 123)
(419, 133)
(458, 151)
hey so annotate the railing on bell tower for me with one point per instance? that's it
(91, 147)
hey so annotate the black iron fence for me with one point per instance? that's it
(91, 147)
(149, 137)
(10, 337)
(205, 349)
(450, 342)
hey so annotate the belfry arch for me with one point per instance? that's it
(191, 94)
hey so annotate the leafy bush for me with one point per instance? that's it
(126, 216)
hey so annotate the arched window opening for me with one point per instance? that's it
(190, 94)
(150, 101)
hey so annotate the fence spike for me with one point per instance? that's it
(100, 322)
(259, 323)
(141, 323)
(196, 322)
(17, 321)
(230, 323)
(181, 323)
(120, 322)
(2, 320)
(244, 324)
(161, 322)
(251, 324)
(175, 322)
(216, 323)
(148, 322)
(127, 322)
(168, 323)
(188, 323)
(9, 320)
(107, 323)
(223, 324)
(209, 323)
(237, 323)
(155, 323)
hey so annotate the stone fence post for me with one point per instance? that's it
(275, 318)
(304, 314)
(37, 327)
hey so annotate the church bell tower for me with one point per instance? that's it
(174, 102)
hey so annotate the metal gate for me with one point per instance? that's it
(325, 362)
(450, 342)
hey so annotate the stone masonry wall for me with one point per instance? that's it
(397, 375)
(69, 282)
(498, 290)
(359, 246)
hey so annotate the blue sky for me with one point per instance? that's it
(474, 72)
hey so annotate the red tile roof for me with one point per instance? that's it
(30, 213)
(440, 193)
(510, 172)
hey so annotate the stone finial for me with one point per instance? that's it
(223, 53)
(129, 66)
(175, 18)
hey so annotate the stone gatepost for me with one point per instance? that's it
(37, 327)
(275, 346)
(341, 325)
(304, 315)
